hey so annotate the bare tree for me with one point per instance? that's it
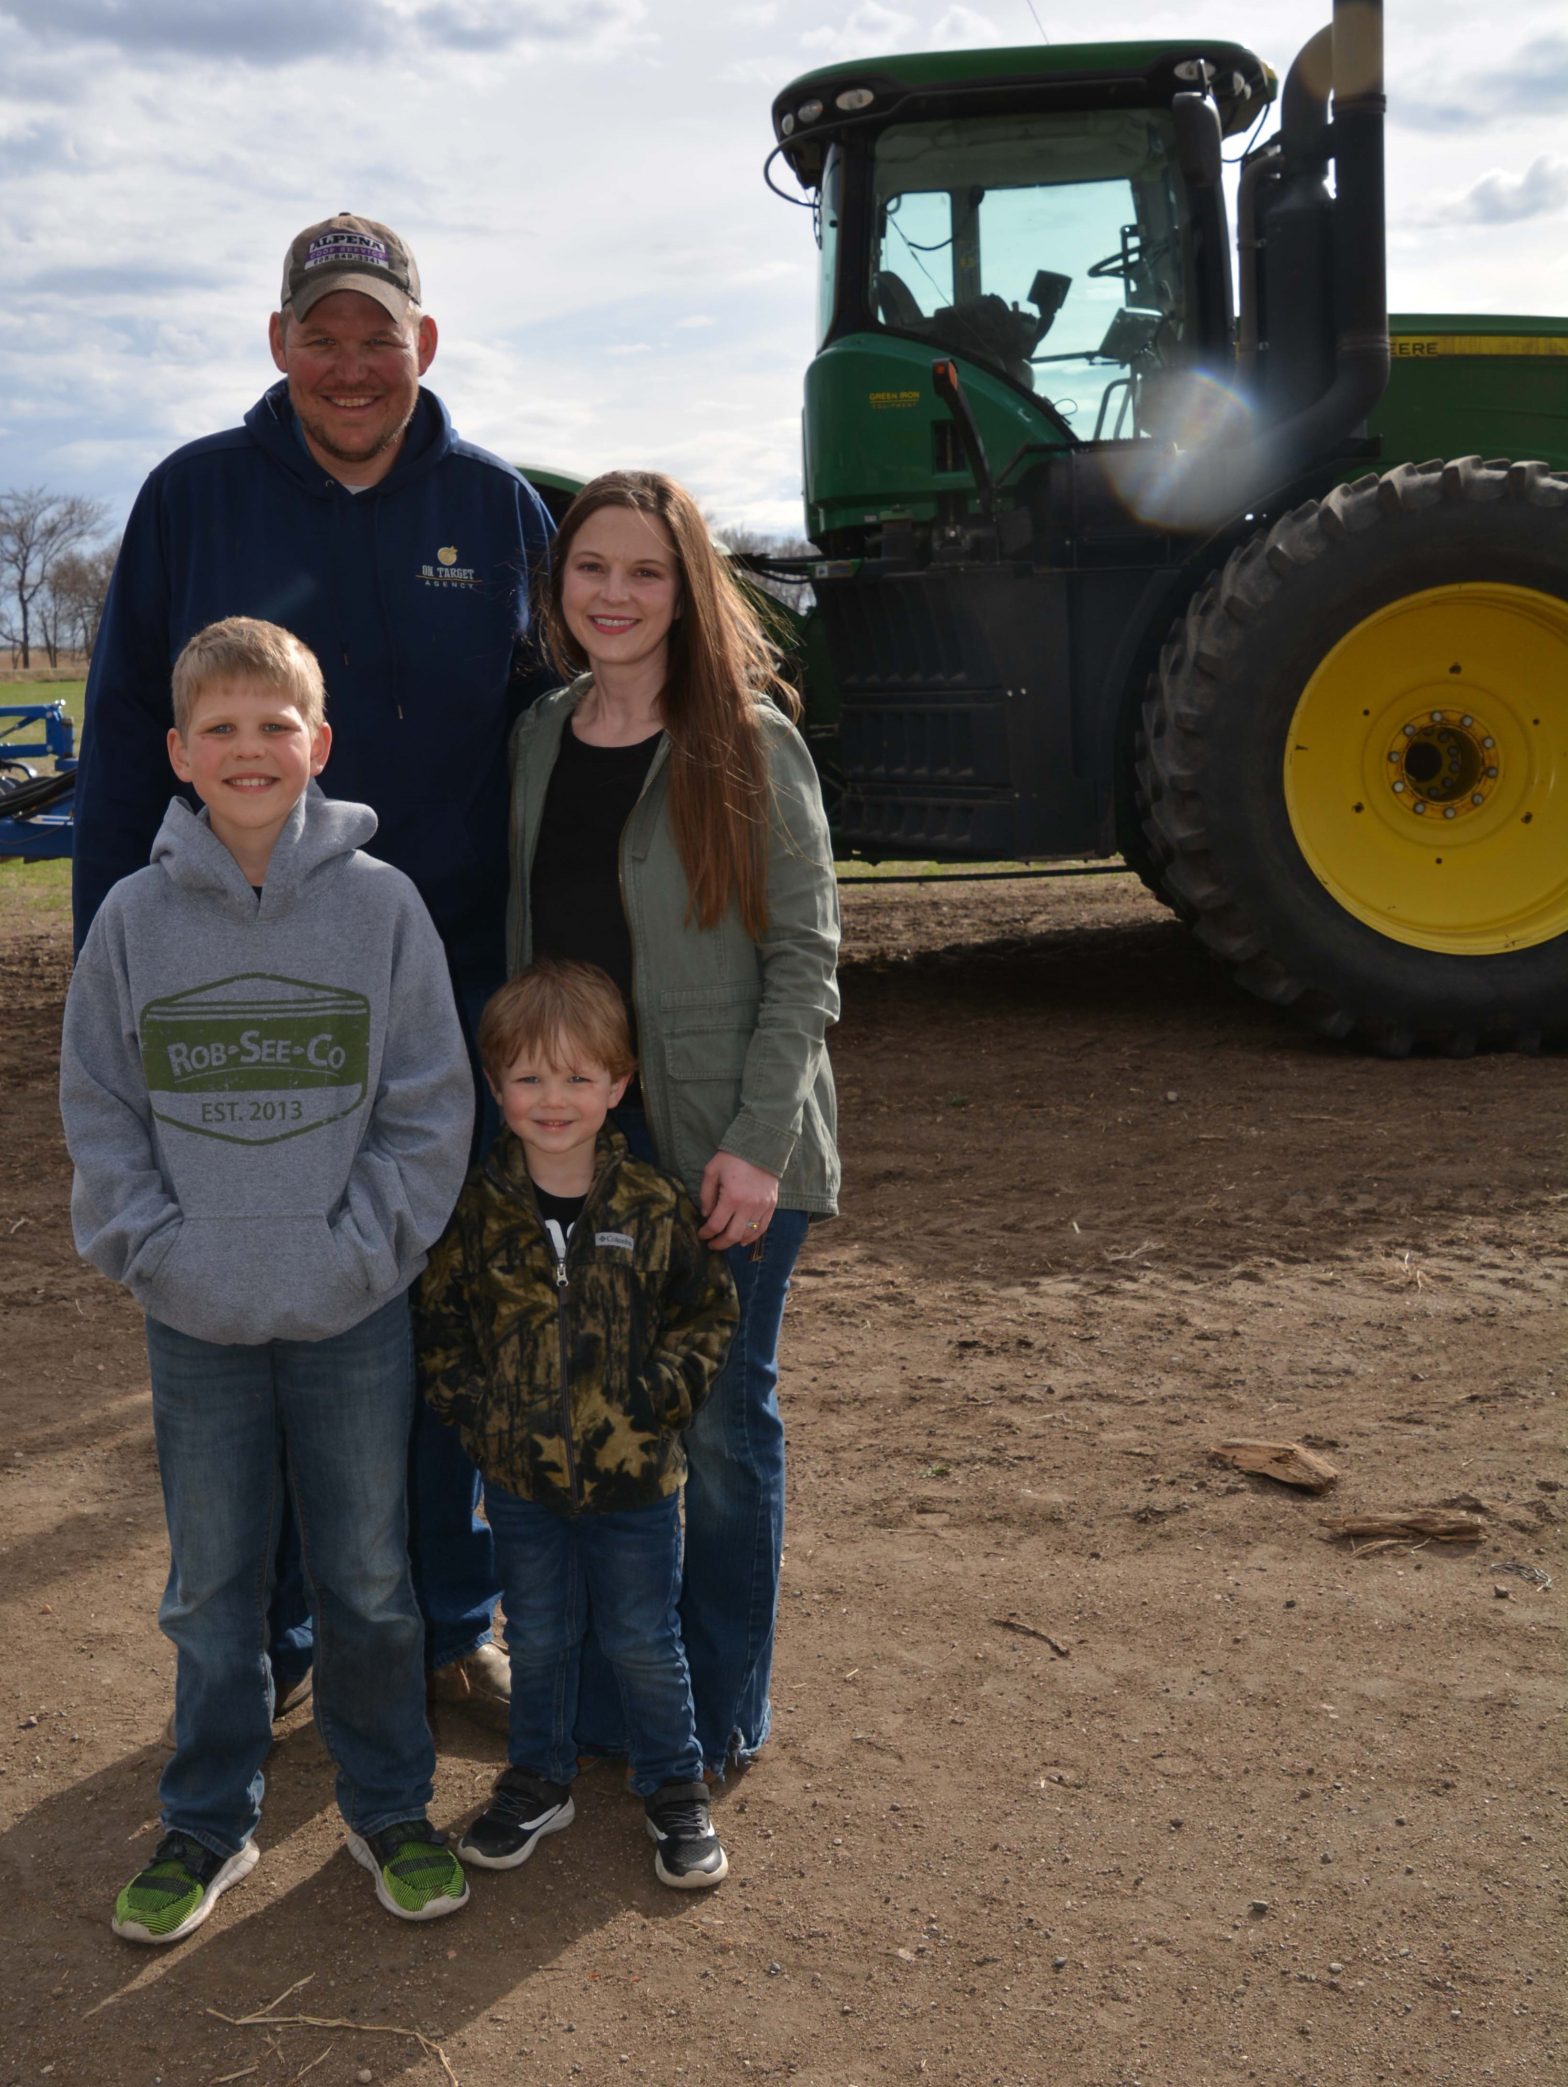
(36, 528)
(747, 543)
(78, 585)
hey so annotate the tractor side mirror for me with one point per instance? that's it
(1197, 127)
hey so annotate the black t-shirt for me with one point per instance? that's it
(574, 894)
(560, 1213)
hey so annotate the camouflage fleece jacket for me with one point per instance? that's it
(571, 1381)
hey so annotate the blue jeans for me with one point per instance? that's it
(734, 1513)
(450, 1551)
(628, 1565)
(329, 1419)
(735, 1509)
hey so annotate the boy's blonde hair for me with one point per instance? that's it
(566, 1014)
(243, 648)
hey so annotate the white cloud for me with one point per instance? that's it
(1505, 199)
(961, 28)
(294, 32)
(869, 32)
(154, 171)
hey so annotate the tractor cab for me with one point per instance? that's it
(1051, 219)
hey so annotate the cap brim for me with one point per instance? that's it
(390, 298)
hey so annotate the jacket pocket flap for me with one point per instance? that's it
(707, 1054)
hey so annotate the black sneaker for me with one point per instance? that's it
(689, 1855)
(523, 1808)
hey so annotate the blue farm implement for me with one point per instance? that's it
(35, 809)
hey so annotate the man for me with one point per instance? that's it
(347, 510)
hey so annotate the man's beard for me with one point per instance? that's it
(363, 455)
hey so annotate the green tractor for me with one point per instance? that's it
(1117, 558)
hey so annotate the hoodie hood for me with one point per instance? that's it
(319, 832)
(428, 440)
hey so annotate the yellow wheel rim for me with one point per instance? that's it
(1426, 770)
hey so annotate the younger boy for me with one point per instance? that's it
(266, 1097)
(570, 1323)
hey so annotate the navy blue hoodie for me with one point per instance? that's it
(413, 594)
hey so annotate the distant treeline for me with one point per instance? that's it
(54, 573)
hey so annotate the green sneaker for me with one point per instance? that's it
(417, 1875)
(178, 1889)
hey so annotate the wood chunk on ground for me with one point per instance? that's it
(1425, 1525)
(1288, 1462)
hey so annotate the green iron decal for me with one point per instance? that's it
(255, 1059)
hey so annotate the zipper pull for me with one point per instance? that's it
(560, 1274)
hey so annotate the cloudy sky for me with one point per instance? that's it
(580, 180)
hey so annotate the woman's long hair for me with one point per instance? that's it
(721, 665)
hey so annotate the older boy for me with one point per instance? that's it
(570, 1323)
(266, 1096)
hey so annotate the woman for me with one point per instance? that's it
(667, 824)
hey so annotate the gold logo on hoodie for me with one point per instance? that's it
(446, 572)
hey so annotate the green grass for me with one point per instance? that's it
(35, 897)
(69, 693)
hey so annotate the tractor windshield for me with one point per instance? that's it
(1049, 247)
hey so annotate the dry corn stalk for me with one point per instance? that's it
(1425, 1525)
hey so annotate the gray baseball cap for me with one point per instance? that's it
(350, 253)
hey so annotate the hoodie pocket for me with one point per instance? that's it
(245, 1280)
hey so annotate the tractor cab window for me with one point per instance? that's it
(1050, 248)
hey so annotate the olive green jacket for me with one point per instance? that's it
(731, 1032)
(571, 1381)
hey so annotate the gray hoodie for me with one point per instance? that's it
(268, 1102)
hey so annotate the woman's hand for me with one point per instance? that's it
(738, 1201)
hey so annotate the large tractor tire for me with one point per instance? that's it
(1354, 763)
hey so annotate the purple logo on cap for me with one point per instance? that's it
(347, 250)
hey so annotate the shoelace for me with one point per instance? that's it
(683, 1819)
(518, 1803)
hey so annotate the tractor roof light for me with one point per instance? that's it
(1198, 69)
(809, 111)
(854, 98)
(786, 126)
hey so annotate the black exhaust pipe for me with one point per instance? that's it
(1223, 481)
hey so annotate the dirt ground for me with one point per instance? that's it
(1095, 1764)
